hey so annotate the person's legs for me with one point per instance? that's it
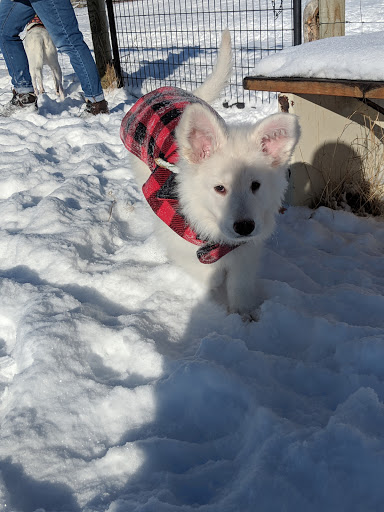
(60, 20)
(14, 15)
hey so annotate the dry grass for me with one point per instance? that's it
(360, 189)
(110, 80)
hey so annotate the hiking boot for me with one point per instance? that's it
(23, 99)
(98, 107)
(27, 100)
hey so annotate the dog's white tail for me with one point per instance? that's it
(216, 81)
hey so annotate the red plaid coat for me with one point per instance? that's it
(147, 131)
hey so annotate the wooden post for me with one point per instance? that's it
(100, 38)
(332, 18)
(311, 21)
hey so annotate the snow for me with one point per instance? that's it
(353, 57)
(125, 389)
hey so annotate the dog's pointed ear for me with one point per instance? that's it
(199, 133)
(277, 136)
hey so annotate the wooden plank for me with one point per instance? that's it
(331, 18)
(346, 88)
(376, 92)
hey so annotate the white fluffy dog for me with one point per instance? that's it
(40, 50)
(225, 183)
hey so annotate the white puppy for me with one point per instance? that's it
(216, 186)
(40, 50)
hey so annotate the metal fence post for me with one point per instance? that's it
(297, 22)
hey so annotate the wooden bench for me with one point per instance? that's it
(341, 121)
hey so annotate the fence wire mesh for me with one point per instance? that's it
(364, 16)
(175, 42)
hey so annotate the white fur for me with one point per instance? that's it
(40, 50)
(237, 159)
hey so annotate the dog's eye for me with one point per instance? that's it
(255, 186)
(220, 189)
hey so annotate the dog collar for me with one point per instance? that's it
(147, 131)
(35, 22)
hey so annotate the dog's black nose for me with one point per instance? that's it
(244, 227)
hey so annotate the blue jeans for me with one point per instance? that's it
(60, 20)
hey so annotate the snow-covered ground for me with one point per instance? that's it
(124, 389)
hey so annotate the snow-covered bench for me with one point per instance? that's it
(341, 110)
